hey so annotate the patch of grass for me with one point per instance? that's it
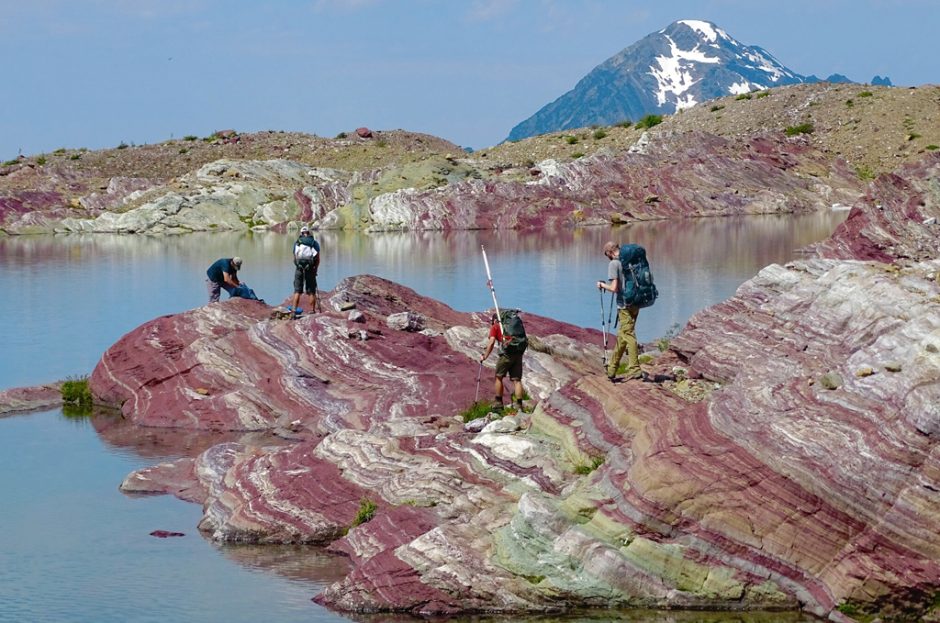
(59, 151)
(75, 391)
(41, 160)
(932, 147)
(476, 411)
(850, 103)
(190, 137)
(663, 343)
(717, 107)
(75, 157)
(183, 150)
(9, 162)
(803, 128)
(599, 134)
(912, 136)
(624, 124)
(341, 135)
(382, 143)
(743, 96)
(864, 173)
(866, 94)
(762, 94)
(577, 154)
(367, 510)
(571, 140)
(649, 121)
(123, 145)
(582, 469)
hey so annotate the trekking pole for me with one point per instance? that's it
(603, 326)
(476, 397)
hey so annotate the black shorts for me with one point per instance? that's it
(511, 365)
(305, 274)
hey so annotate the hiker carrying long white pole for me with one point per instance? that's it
(489, 282)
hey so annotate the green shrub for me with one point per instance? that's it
(803, 128)
(743, 96)
(9, 162)
(762, 94)
(932, 147)
(59, 151)
(341, 135)
(850, 102)
(663, 343)
(41, 160)
(382, 142)
(912, 136)
(571, 140)
(599, 134)
(183, 150)
(649, 121)
(577, 154)
(716, 107)
(190, 137)
(75, 157)
(865, 94)
(864, 173)
(476, 411)
(367, 510)
(75, 391)
(123, 145)
(624, 124)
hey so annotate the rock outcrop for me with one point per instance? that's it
(755, 485)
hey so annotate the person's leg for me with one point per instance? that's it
(628, 318)
(502, 369)
(515, 375)
(312, 287)
(298, 287)
(614, 362)
(214, 291)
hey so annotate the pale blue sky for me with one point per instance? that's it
(95, 73)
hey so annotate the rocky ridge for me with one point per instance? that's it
(398, 180)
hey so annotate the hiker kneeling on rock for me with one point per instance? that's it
(511, 348)
(223, 274)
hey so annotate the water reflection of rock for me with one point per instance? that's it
(164, 443)
(301, 563)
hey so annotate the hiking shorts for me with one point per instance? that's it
(511, 365)
(305, 274)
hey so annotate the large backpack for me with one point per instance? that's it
(514, 337)
(304, 252)
(638, 287)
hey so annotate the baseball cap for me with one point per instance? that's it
(237, 262)
(305, 230)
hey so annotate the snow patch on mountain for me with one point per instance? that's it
(675, 72)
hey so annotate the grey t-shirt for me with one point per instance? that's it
(615, 271)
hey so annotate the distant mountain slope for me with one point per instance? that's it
(688, 62)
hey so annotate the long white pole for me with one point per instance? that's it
(489, 282)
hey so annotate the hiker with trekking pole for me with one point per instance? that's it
(506, 328)
(630, 281)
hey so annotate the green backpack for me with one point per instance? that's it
(514, 338)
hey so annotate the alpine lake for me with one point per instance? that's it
(74, 548)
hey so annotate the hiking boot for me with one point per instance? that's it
(497, 407)
(613, 378)
(298, 311)
(519, 406)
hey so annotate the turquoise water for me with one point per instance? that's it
(73, 548)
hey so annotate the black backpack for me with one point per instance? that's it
(638, 287)
(514, 338)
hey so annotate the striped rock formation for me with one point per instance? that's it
(799, 468)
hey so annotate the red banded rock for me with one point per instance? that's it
(897, 218)
(19, 399)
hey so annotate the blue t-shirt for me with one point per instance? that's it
(222, 265)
